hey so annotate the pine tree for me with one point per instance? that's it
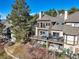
(73, 10)
(20, 20)
(51, 12)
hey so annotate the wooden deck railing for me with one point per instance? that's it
(55, 41)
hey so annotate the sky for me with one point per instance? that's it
(38, 5)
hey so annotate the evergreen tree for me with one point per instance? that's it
(73, 10)
(61, 11)
(51, 12)
(20, 20)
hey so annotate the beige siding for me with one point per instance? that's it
(73, 24)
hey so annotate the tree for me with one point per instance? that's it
(61, 11)
(51, 12)
(54, 13)
(20, 20)
(73, 9)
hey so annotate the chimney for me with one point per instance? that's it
(40, 15)
(65, 15)
(57, 12)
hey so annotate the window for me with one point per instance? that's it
(55, 34)
(53, 23)
(57, 23)
(62, 23)
(42, 32)
(37, 24)
(42, 25)
(72, 40)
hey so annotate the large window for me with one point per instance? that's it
(37, 24)
(55, 34)
(42, 25)
(42, 32)
(73, 40)
(70, 39)
(47, 24)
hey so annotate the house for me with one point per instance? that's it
(71, 32)
(7, 32)
(45, 24)
(73, 20)
(50, 28)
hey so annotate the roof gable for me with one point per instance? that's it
(52, 19)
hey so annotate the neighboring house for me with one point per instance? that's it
(7, 32)
(71, 32)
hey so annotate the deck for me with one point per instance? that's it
(53, 41)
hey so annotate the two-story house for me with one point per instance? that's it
(50, 28)
(46, 24)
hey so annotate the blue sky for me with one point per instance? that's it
(38, 5)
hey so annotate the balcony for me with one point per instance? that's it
(56, 40)
(59, 40)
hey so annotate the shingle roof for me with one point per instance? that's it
(52, 19)
(71, 30)
(46, 17)
(58, 27)
(59, 18)
(66, 29)
(73, 17)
